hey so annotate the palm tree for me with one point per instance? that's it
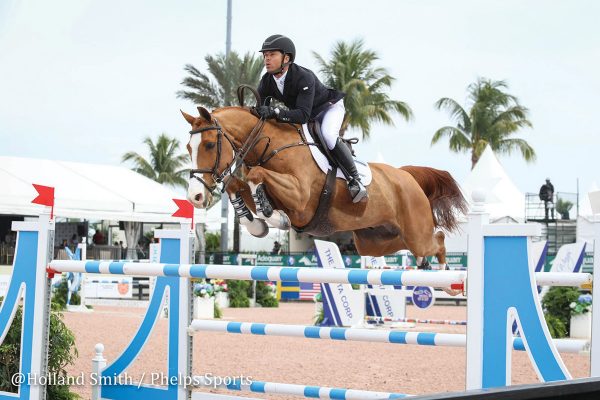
(165, 165)
(351, 71)
(228, 72)
(494, 116)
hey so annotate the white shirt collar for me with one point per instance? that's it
(280, 81)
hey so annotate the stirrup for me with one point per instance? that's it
(357, 191)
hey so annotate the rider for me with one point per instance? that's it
(306, 97)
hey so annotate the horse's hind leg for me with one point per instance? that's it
(439, 237)
(440, 254)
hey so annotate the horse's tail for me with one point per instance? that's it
(446, 200)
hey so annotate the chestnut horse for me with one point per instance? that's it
(404, 208)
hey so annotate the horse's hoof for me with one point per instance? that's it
(425, 266)
(258, 228)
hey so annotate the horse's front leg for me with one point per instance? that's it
(289, 193)
(243, 204)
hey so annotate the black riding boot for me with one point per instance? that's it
(343, 156)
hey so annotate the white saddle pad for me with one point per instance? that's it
(364, 171)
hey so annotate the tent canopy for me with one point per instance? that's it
(89, 191)
(504, 201)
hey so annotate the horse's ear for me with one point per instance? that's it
(188, 117)
(204, 113)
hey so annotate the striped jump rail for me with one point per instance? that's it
(417, 320)
(314, 392)
(443, 279)
(363, 335)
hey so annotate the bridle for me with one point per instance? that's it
(239, 154)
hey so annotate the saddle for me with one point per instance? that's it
(314, 129)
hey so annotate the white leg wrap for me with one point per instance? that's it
(279, 220)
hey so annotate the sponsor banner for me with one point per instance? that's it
(587, 266)
(108, 286)
(454, 260)
(4, 282)
(423, 296)
(342, 305)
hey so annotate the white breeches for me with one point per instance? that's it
(332, 122)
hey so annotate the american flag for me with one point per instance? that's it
(309, 290)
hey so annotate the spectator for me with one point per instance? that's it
(73, 243)
(276, 248)
(98, 237)
(547, 196)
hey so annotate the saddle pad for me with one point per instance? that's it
(364, 171)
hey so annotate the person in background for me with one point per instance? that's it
(73, 243)
(547, 196)
(276, 247)
(98, 238)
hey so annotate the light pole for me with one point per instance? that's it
(224, 197)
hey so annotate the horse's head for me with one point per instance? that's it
(211, 152)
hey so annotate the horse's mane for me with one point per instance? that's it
(270, 124)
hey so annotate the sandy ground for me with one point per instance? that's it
(356, 365)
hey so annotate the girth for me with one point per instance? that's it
(320, 225)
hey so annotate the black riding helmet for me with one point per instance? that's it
(280, 43)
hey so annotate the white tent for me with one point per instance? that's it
(585, 222)
(504, 201)
(88, 191)
(585, 208)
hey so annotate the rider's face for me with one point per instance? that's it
(273, 60)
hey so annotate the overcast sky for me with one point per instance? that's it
(87, 80)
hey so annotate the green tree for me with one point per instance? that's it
(165, 164)
(219, 89)
(494, 116)
(228, 72)
(351, 69)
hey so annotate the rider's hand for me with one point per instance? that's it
(266, 112)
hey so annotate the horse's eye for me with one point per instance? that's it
(209, 145)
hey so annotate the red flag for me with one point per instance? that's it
(185, 210)
(45, 197)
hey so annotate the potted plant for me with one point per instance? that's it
(581, 317)
(563, 207)
(319, 310)
(221, 295)
(204, 300)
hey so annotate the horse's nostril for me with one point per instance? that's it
(198, 197)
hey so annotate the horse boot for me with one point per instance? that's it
(424, 265)
(343, 156)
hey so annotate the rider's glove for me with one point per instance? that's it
(267, 112)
